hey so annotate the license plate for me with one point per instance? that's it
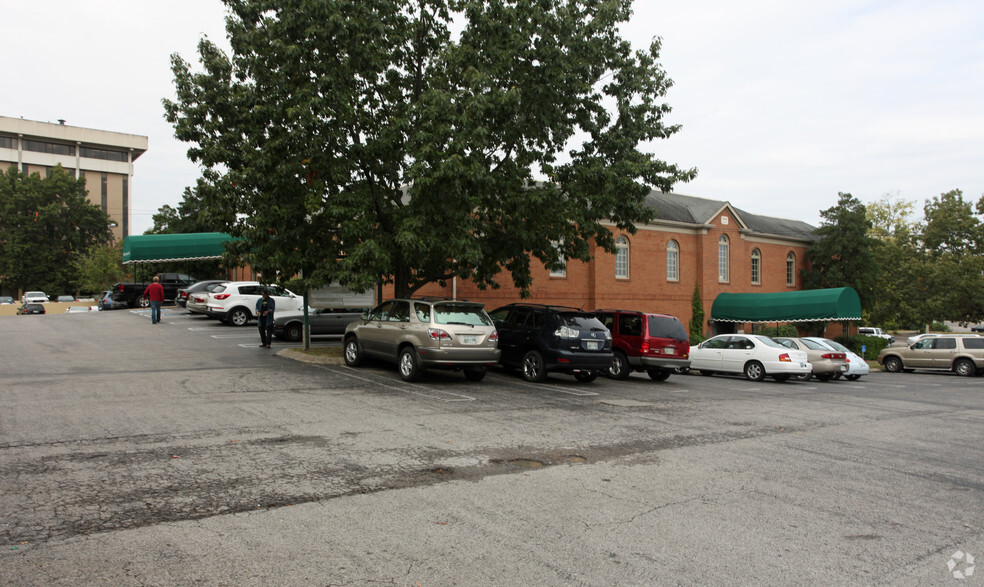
(592, 345)
(668, 350)
(469, 340)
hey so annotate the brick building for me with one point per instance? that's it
(104, 158)
(691, 242)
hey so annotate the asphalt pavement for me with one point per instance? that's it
(182, 453)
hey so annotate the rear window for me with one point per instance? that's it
(460, 314)
(581, 321)
(973, 343)
(667, 327)
(219, 289)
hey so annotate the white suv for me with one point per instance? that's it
(35, 297)
(234, 302)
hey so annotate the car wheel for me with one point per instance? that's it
(620, 366)
(852, 377)
(143, 303)
(892, 364)
(586, 376)
(293, 332)
(533, 368)
(475, 373)
(353, 354)
(802, 376)
(754, 371)
(781, 378)
(409, 364)
(964, 368)
(239, 317)
(658, 374)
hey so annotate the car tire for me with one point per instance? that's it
(143, 303)
(408, 364)
(892, 364)
(658, 374)
(802, 376)
(620, 368)
(586, 376)
(852, 377)
(754, 371)
(475, 373)
(964, 368)
(294, 332)
(238, 317)
(352, 353)
(534, 369)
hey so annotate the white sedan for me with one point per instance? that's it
(856, 366)
(756, 356)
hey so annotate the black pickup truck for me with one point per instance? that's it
(132, 293)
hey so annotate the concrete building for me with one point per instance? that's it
(103, 158)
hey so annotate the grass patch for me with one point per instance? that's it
(322, 352)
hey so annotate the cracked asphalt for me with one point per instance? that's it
(184, 454)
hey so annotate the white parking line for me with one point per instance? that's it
(552, 388)
(349, 372)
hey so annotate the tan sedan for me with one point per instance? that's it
(826, 363)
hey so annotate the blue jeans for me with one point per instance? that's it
(155, 312)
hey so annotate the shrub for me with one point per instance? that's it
(873, 344)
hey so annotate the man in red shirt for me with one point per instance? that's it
(155, 293)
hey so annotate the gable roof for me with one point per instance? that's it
(692, 210)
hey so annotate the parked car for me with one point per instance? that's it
(181, 298)
(65, 299)
(32, 308)
(234, 302)
(655, 343)
(978, 328)
(541, 339)
(857, 366)
(290, 325)
(964, 355)
(106, 302)
(418, 334)
(868, 331)
(916, 338)
(197, 302)
(756, 356)
(132, 293)
(826, 362)
(35, 297)
(5, 300)
(81, 309)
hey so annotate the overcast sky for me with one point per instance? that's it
(783, 103)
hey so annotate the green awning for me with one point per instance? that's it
(812, 305)
(158, 248)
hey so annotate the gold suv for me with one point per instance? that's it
(964, 355)
(421, 333)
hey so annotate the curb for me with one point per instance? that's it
(298, 355)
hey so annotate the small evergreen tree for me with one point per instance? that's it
(696, 318)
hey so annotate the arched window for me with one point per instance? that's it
(791, 270)
(621, 258)
(672, 261)
(723, 253)
(756, 266)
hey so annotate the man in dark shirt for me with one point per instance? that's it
(264, 317)
(155, 293)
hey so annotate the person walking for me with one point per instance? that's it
(155, 293)
(264, 317)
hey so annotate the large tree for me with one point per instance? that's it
(843, 257)
(46, 223)
(361, 140)
(953, 237)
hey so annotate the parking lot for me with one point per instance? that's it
(184, 453)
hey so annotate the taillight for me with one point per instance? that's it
(645, 346)
(438, 334)
(221, 296)
(834, 356)
(784, 358)
(494, 336)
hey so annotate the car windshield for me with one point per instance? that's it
(769, 342)
(472, 315)
(666, 327)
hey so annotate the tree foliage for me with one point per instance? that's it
(355, 140)
(45, 224)
(844, 256)
(696, 317)
(100, 267)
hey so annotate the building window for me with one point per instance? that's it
(621, 258)
(104, 192)
(8, 142)
(756, 266)
(672, 261)
(791, 270)
(46, 147)
(562, 272)
(723, 253)
(107, 154)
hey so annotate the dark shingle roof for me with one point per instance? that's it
(692, 210)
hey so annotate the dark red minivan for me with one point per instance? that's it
(655, 343)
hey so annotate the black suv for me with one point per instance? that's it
(542, 339)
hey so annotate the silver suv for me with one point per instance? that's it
(964, 355)
(417, 334)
